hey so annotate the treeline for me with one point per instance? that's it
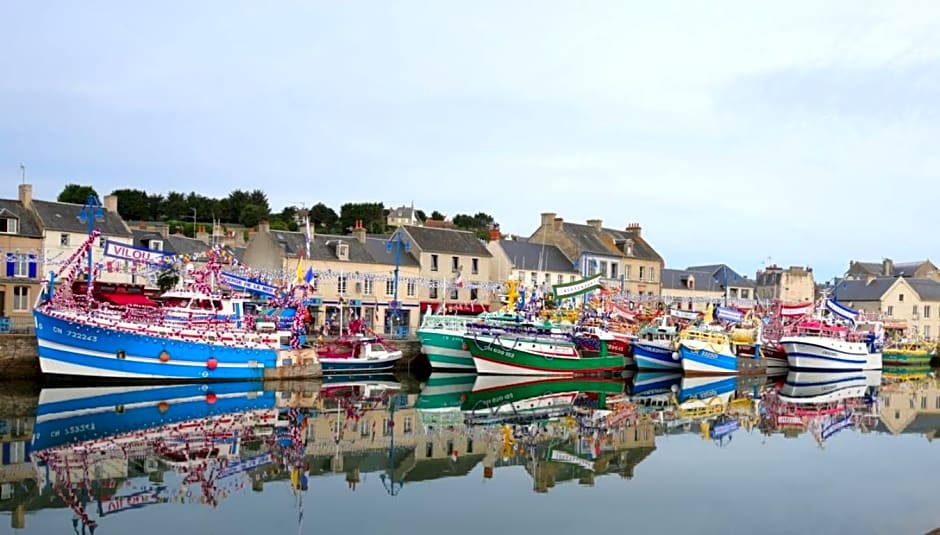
(248, 208)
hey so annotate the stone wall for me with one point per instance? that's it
(19, 356)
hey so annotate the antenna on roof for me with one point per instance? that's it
(23, 172)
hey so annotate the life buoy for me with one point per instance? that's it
(631, 305)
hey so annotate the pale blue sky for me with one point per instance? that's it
(732, 131)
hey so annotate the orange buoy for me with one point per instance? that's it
(163, 406)
(212, 363)
(164, 356)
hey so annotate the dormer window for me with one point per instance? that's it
(342, 251)
(8, 225)
(628, 247)
(691, 283)
(156, 245)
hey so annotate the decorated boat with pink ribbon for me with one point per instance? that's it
(81, 335)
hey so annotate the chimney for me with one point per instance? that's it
(557, 223)
(26, 195)
(887, 267)
(494, 233)
(201, 234)
(264, 226)
(548, 218)
(596, 223)
(359, 232)
(634, 228)
(110, 203)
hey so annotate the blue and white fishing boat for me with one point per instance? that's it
(655, 347)
(838, 343)
(706, 351)
(803, 387)
(707, 388)
(357, 353)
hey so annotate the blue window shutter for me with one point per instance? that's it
(32, 266)
(11, 264)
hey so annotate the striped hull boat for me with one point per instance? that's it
(651, 356)
(823, 353)
(446, 350)
(703, 358)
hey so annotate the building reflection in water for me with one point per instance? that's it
(107, 451)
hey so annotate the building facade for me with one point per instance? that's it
(625, 260)
(909, 305)
(888, 268)
(530, 264)
(353, 276)
(21, 245)
(403, 215)
(689, 290)
(792, 285)
(64, 230)
(736, 289)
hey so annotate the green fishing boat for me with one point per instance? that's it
(438, 404)
(521, 354)
(908, 354)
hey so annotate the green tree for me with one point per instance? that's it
(233, 204)
(372, 215)
(324, 218)
(77, 194)
(437, 216)
(155, 204)
(132, 204)
(463, 221)
(251, 215)
(421, 215)
(175, 207)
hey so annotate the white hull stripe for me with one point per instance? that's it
(130, 358)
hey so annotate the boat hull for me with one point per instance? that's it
(501, 397)
(655, 357)
(70, 348)
(496, 356)
(822, 353)
(810, 387)
(446, 350)
(703, 358)
(355, 365)
(907, 357)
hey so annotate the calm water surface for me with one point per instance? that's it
(794, 453)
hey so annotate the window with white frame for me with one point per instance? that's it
(341, 284)
(433, 262)
(368, 286)
(454, 264)
(20, 298)
(926, 311)
(559, 278)
(410, 288)
(390, 287)
(21, 266)
(927, 331)
(652, 274)
(64, 240)
(8, 225)
(642, 272)
(474, 265)
(454, 293)
(432, 292)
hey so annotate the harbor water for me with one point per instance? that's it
(461, 454)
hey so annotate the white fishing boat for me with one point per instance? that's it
(838, 343)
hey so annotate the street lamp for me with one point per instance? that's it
(388, 481)
(194, 222)
(396, 243)
(90, 213)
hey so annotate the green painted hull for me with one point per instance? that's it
(512, 397)
(445, 390)
(907, 357)
(445, 350)
(493, 358)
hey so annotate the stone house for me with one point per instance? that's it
(353, 276)
(63, 231)
(455, 265)
(531, 264)
(690, 290)
(792, 285)
(736, 288)
(625, 260)
(403, 215)
(888, 268)
(911, 305)
(21, 245)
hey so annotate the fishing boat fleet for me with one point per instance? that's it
(824, 337)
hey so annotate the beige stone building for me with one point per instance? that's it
(625, 260)
(64, 230)
(794, 284)
(531, 264)
(21, 246)
(911, 408)
(690, 290)
(888, 268)
(911, 305)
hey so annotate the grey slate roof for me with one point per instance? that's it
(675, 279)
(907, 269)
(437, 240)
(534, 256)
(63, 216)
(323, 247)
(923, 424)
(402, 212)
(641, 248)
(27, 224)
(589, 240)
(721, 273)
(927, 289)
(860, 290)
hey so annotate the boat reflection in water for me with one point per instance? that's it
(113, 450)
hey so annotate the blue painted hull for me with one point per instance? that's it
(705, 389)
(73, 349)
(707, 362)
(74, 415)
(655, 383)
(654, 357)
